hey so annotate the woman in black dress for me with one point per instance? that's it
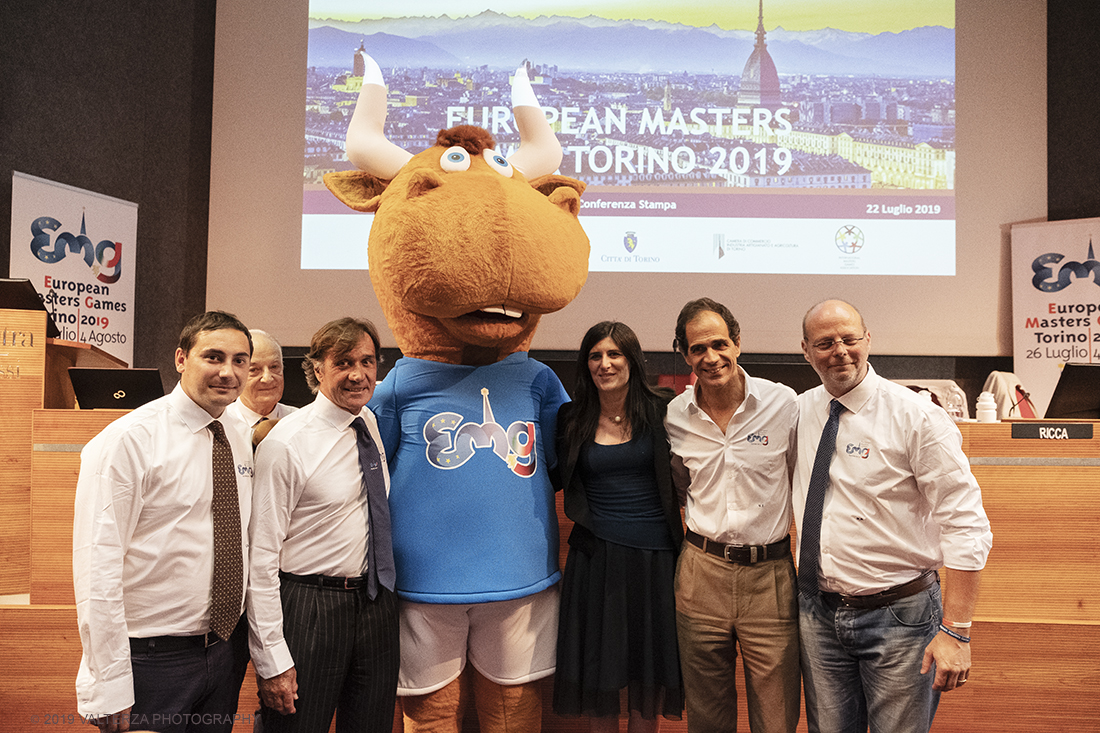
(618, 617)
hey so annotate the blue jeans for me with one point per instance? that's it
(862, 666)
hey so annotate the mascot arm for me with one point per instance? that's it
(384, 406)
(553, 397)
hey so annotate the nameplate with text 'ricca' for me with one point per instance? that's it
(1052, 431)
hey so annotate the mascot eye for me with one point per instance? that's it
(498, 162)
(455, 159)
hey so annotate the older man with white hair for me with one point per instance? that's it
(259, 400)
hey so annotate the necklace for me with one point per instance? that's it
(616, 419)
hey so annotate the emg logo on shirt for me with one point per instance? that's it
(757, 439)
(244, 470)
(857, 449)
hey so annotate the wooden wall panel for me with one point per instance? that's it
(40, 649)
(57, 436)
(1027, 678)
(22, 374)
(1045, 543)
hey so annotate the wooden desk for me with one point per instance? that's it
(33, 374)
(1037, 624)
(1043, 502)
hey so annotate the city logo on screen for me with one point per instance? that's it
(1048, 281)
(105, 258)
(849, 239)
(630, 241)
(451, 441)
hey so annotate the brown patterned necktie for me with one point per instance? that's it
(225, 591)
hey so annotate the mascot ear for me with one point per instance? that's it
(562, 191)
(358, 190)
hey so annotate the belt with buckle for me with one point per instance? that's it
(154, 644)
(741, 554)
(327, 581)
(877, 600)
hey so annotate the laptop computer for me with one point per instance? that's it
(18, 294)
(118, 389)
(1077, 394)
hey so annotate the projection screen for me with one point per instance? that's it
(765, 154)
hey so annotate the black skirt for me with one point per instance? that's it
(617, 629)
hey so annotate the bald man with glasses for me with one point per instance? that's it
(883, 498)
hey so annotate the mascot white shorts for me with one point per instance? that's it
(509, 642)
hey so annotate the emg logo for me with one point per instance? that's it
(857, 449)
(1047, 281)
(755, 439)
(104, 258)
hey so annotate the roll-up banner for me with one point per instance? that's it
(1055, 301)
(78, 248)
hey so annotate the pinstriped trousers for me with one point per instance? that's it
(346, 656)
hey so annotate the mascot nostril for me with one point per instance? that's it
(421, 182)
(566, 199)
(467, 251)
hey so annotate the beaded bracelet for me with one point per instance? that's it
(955, 635)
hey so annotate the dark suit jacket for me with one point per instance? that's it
(567, 478)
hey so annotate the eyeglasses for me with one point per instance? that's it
(848, 341)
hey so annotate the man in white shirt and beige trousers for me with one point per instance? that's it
(883, 498)
(160, 548)
(730, 440)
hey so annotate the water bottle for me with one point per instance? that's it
(987, 407)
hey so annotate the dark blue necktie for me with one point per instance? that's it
(810, 542)
(380, 568)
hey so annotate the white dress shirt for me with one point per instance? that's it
(309, 515)
(901, 497)
(238, 410)
(143, 541)
(738, 481)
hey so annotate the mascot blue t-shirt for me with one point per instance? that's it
(469, 450)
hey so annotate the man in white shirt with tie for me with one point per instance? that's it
(160, 551)
(323, 615)
(878, 513)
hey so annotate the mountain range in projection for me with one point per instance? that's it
(595, 44)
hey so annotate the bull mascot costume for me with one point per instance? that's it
(467, 250)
